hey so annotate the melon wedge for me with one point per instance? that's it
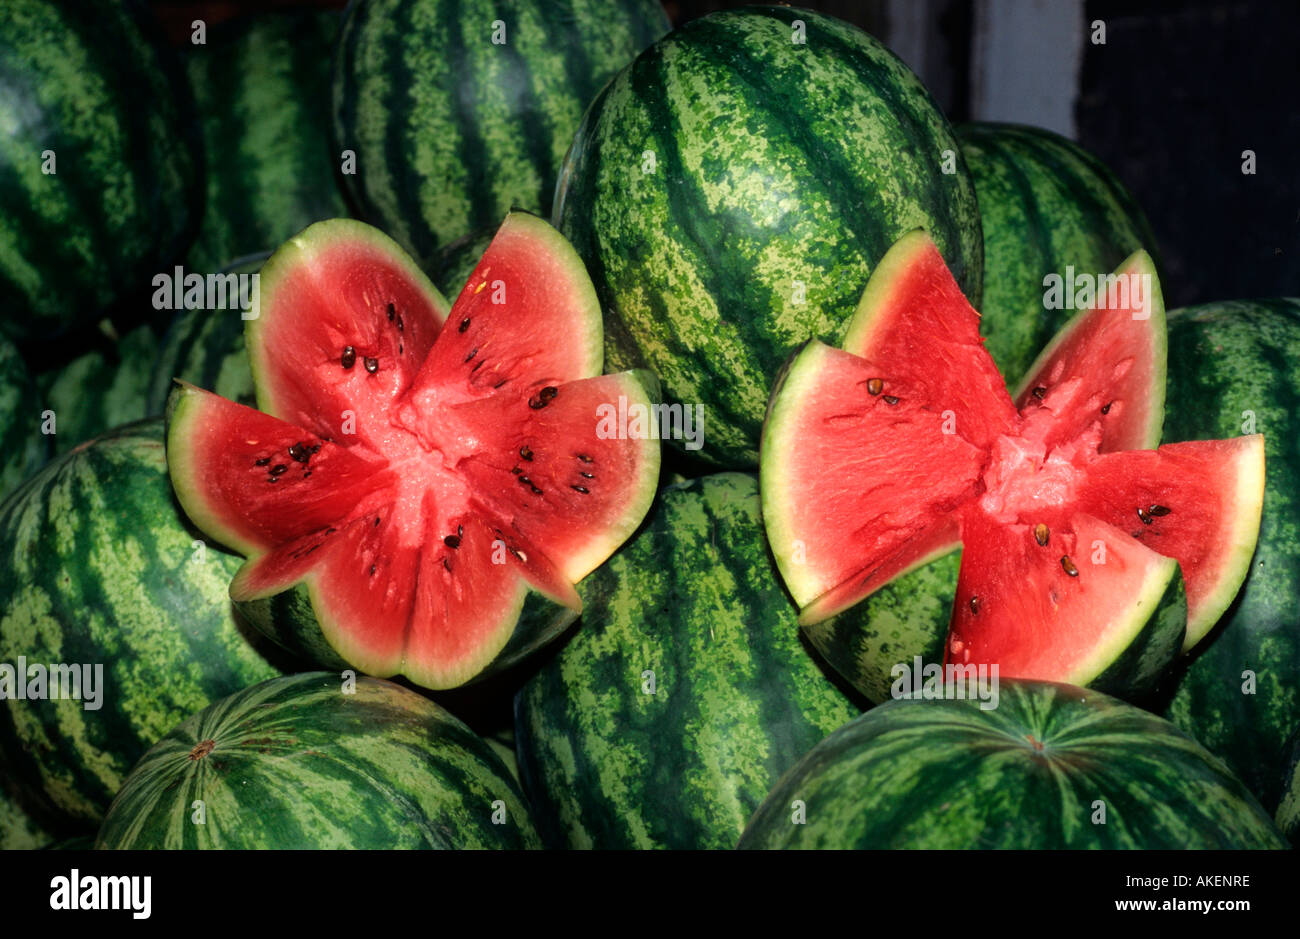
(422, 488)
(1085, 556)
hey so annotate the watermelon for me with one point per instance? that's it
(22, 445)
(1049, 766)
(454, 262)
(98, 568)
(101, 389)
(1084, 556)
(732, 189)
(1234, 369)
(1288, 812)
(413, 499)
(1048, 207)
(89, 87)
(206, 348)
(684, 694)
(262, 86)
(314, 761)
(18, 830)
(456, 111)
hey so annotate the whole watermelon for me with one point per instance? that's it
(98, 567)
(732, 189)
(1049, 766)
(99, 161)
(316, 761)
(262, 87)
(206, 348)
(685, 691)
(23, 447)
(101, 389)
(457, 111)
(1234, 368)
(1046, 204)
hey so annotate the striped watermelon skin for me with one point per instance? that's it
(731, 191)
(206, 348)
(101, 389)
(1045, 203)
(18, 830)
(737, 698)
(1229, 363)
(450, 141)
(22, 445)
(262, 84)
(92, 83)
(97, 566)
(454, 262)
(1288, 810)
(317, 761)
(1027, 774)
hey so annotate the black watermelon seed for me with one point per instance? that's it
(584, 458)
(1137, 534)
(306, 474)
(500, 383)
(349, 357)
(451, 541)
(400, 349)
(1146, 519)
(263, 461)
(1068, 566)
(582, 489)
(330, 531)
(391, 312)
(315, 448)
(464, 325)
(376, 521)
(516, 470)
(278, 468)
(1105, 408)
(874, 386)
(477, 365)
(460, 530)
(445, 566)
(272, 479)
(536, 403)
(587, 475)
(525, 481)
(372, 365)
(1039, 392)
(525, 453)
(472, 352)
(974, 605)
(536, 491)
(890, 399)
(401, 327)
(1159, 510)
(372, 570)
(299, 453)
(1041, 534)
(548, 393)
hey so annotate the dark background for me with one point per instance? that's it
(1171, 100)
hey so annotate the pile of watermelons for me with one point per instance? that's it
(516, 425)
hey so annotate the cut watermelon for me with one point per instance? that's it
(414, 498)
(1085, 556)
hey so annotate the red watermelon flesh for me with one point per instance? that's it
(418, 472)
(905, 445)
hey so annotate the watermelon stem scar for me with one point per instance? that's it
(1086, 554)
(385, 516)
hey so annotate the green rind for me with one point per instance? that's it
(454, 262)
(206, 348)
(98, 566)
(1231, 363)
(304, 762)
(23, 447)
(102, 389)
(450, 129)
(1045, 203)
(775, 164)
(262, 86)
(1032, 773)
(1143, 661)
(93, 83)
(695, 599)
